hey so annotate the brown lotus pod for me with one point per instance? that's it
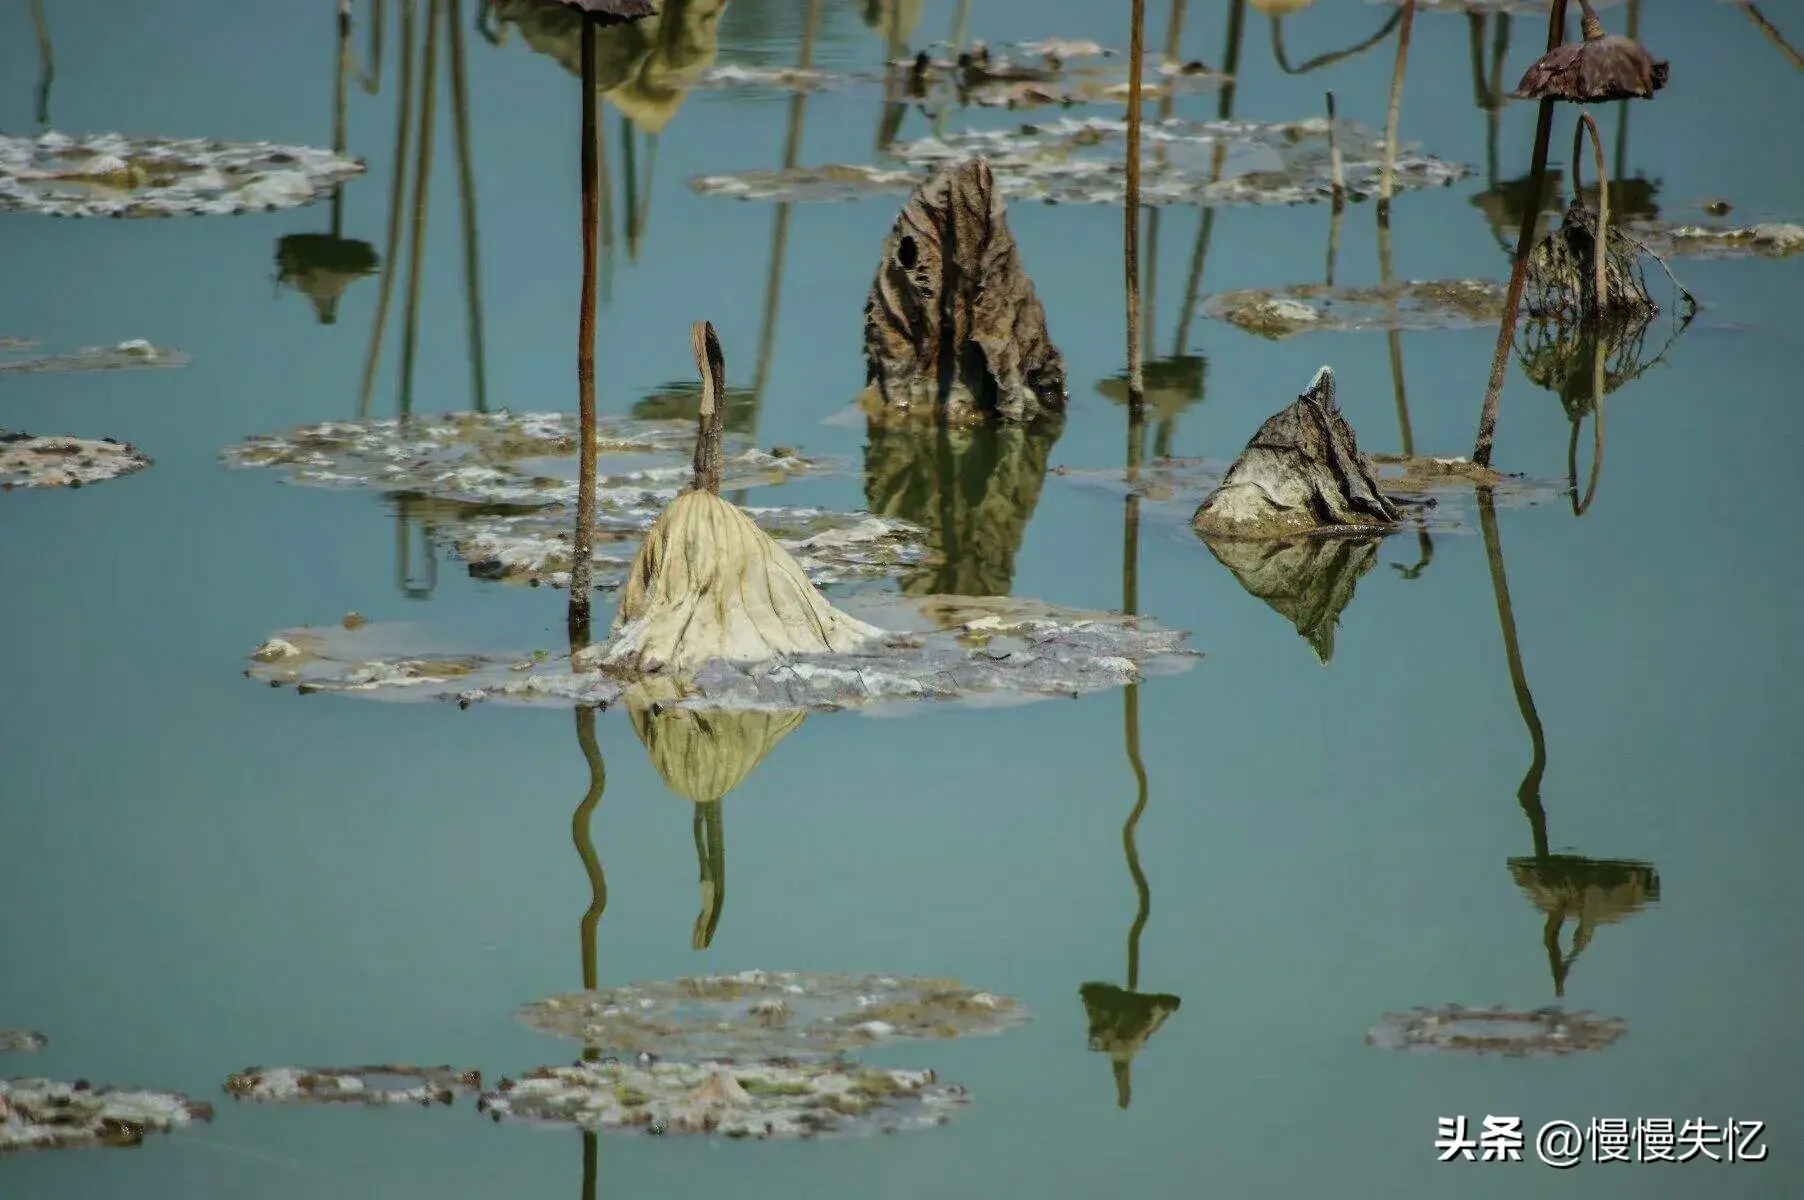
(1602, 67)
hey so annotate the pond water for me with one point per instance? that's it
(200, 874)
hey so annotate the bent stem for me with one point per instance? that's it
(1525, 243)
(710, 835)
(1528, 794)
(585, 844)
(1599, 297)
(1579, 506)
(422, 192)
(1333, 56)
(397, 190)
(582, 565)
(466, 191)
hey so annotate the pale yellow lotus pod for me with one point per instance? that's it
(701, 754)
(709, 584)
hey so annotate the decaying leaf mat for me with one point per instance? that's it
(1538, 1033)
(14, 1041)
(1073, 161)
(353, 1085)
(53, 462)
(120, 175)
(133, 354)
(952, 324)
(771, 1013)
(1310, 307)
(1004, 650)
(43, 1114)
(780, 1099)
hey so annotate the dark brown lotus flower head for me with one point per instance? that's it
(1602, 67)
(614, 12)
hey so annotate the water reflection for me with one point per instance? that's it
(973, 489)
(1277, 10)
(40, 26)
(322, 265)
(1589, 891)
(405, 135)
(598, 898)
(701, 755)
(1307, 581)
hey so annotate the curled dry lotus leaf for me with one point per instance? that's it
(973, 489)
(769, 1013)
(769, 1100)
(503, 459)
(116, 175)
(1071, 161)
(126, 356)
(952, 322)
(42, 1114)
(45, 462)
(352, 1085)
(993, 657)
(1307, 581)
(702, 754)
(1561, 278)
(1414, 305)
(709, 586)
(1302, 472)
(1541, 1032)
(19, 1040)
(831, 547)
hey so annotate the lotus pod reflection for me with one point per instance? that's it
(1307, 581)
(321, 266)
(1121, 1022)
(1541, 1032)
(1589, 891)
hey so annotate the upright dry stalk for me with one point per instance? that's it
(1224, 109)
(397, 191)
(582, 563)
(711, 419)
(1770, 33)
(422, 192)
(339, 70)
(1525, 243)
(1388, 181)
(466, 191)
(1340, 191)
(1131, 222)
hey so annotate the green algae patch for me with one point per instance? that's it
(770, 1100)
(1414, 305)
(121, 175)
(388, 1083)
(27, 461)
(43, 1114)
(771, 1013)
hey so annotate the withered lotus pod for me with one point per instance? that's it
(1602, 67)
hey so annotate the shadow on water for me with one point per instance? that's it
(1588, 891)
(40, 27)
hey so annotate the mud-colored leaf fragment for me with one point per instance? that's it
(1302, 472)
(13, 1041)
(42, 1114)
(132, 354)
(1414, 305)
(1540, 1032)
(771, 1013)
(388, 1083)
(778, 1099)
(952, 322)
(72, 462)
(1307, 581)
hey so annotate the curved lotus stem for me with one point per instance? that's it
(397, 191)
(1597, 442)
(1525, 243)
(1600, 243)
(711, 858)
(582, 564)
(466, 192)
(585, 844)
(1333, 56)
(1528, 793)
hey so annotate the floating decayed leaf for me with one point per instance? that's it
(126, 356)
(771, 1013)
(781, 1099)
(1302, 308)
(42, 1114)
(352, 1085)
(117, 175)
(1540, 1032)
(17, 1040)
(49, 462)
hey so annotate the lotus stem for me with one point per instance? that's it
(1579, 506)
(341, 62)
(1224, 109)
(397, 190)
(40, 25)
(422, 192)
(710, 431)
(1334, 160)
(371, 80)
(582, 563)
(1131, 210)
(1525, 243)
(1599, 297)
(585, 844)
(466, 192)
(1333, 56)
(1772, 34)
(711, 856)
(1388, 180)
(1528, 794)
